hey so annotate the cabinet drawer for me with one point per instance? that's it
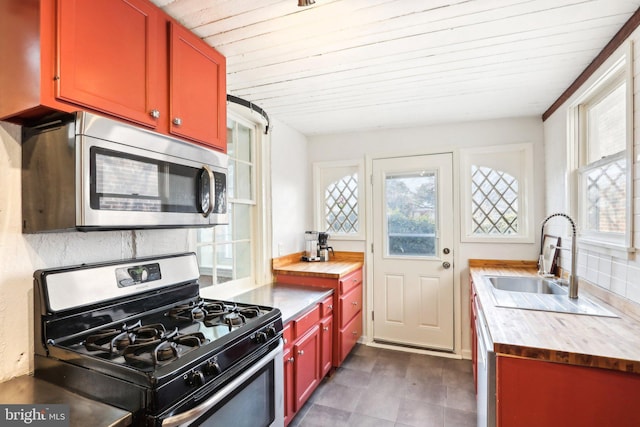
(350, 305)
(327, 306)
(307, 320)
(287, 335)
(349, 336)
(350, 280)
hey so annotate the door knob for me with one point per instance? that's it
(446, 251)
(446, 265)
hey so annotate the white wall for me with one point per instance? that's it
(444, 138)
(617, 274)
(21, 255)
(290, 185)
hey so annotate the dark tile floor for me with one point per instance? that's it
(385, 388)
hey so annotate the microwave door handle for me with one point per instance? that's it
(212, 186)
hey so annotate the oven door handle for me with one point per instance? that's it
(193, 414)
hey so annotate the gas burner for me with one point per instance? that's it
(163, 349)
(190, 312)
(115, 341)
(112, 341)
(221, 314)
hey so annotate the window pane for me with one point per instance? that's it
(606, 197)
(494, 201)
(224, 263)
(241, 222)
(205, 234)
(411, 214)
(205, 259)
(243, 184)
(244, 143)
(341, 205)
(243, 260)
(606, 124)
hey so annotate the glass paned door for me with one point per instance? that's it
(412, 251)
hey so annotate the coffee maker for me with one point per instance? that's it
(323, 248)
(315, 246)
(311, 248)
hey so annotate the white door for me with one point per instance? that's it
(412, 251)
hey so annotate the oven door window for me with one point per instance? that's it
(250, 405)
(125, 182)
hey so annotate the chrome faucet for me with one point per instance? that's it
(573, 278)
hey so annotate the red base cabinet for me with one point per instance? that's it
(306, 367)
(123, 58)
(347, 321)
(533, 393)
(306, 355)
(326, 335)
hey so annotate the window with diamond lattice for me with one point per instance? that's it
(494, 200)
(338, 196)
(497, 193)
(341, 205)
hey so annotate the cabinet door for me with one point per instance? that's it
(350, 305)
(533, 393)
(289, 396)
(326, 341)
(306, 353)
(349, 336)
(107, 52)
(197, 91)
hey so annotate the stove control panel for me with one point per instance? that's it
(130, 276)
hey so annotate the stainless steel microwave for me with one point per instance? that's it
(87, 172)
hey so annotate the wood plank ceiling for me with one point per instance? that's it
(347, 65)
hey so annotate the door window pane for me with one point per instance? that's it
(411, 207)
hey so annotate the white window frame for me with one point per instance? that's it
(320, 170)
(501, 154)
(261, 200)
(619, 69)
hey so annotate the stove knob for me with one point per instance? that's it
(212, 368)
(196, 379)
(271, 331)
(261, 337)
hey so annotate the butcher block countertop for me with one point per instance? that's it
(576, 339)
(341, 264)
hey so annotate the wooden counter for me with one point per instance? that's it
(342, 264)
(583, 340)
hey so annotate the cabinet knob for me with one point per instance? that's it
(326, 328)
(354, 303)
(355, 333)
(285, 341)
(330, 306)
(177, 121)
(155, 114)
(290, 360)
(301, 353)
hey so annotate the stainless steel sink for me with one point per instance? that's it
(534, 285)
(537, 293)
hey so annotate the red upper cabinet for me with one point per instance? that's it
(123, 58)
(108, 57)
(197, 89)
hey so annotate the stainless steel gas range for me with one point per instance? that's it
(136, 334)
